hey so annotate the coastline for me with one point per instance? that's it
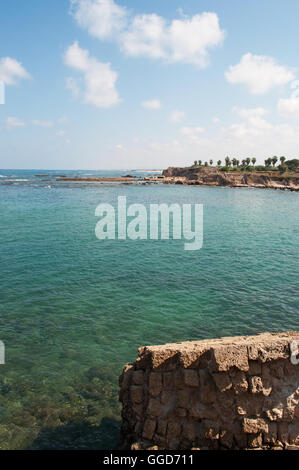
(244, 179)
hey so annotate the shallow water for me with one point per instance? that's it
(74, 310)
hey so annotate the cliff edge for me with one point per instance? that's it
(212, 176)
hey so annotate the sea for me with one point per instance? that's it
(75, 309)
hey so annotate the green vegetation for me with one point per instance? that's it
(248, 164)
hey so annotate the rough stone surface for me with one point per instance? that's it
(228, 393)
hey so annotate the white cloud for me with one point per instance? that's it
(102, 18)
(289, 107)
(186, 40)
(177, 116)
(192, 133)
(13, 122)
(259, 73)
(11, 71)
(151, 104)
(247, 113)
(255, 130)
(183, 40)
(99, 78)
(216, 120)
(42, 123)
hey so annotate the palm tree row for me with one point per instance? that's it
(245, 162)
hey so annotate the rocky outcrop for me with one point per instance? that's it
(214, 177)
(228, 393)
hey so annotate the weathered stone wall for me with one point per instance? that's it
(229, 393)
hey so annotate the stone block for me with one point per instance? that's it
(227, 356)
(155, 384)
(149, 429)
(255, 441)
(191, 378)
(222, 380)
(240, 384)
(136, 393)
(255, 425)
(138, 377)
(259, 385)
(207, 389)
(154, 408)
(183, 398)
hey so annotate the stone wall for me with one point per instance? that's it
(228, 393)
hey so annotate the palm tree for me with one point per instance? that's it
(282, 159)
(199, 162)
(237, 163)
(268, 161)
(219, 163)
(206, 164)
(247, 161)
(274, 160)
(195, 163)
(227, 161)
(211, 162)
(234, 162)
(253, 160)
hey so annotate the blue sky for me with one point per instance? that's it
(100, 84)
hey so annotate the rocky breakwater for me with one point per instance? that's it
(228, 393)
(214, 177)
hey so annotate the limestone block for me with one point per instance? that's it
(255, 426)
(149, 429)
(155, 384)
(136, 393)
(191, 378)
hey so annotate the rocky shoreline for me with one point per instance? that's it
(241, 179)
(206, 176)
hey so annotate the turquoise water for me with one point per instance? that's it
(74, 310)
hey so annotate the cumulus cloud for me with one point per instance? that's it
(192, 133)
(254, 129)
(102, 18)
(247, 113)
(187, 39)
(184, 40)
(151, 104)
(259, 73)
(11, 71)
(289, 107)
(177, 116)
(99, 79)
(13, 122)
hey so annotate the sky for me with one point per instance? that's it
(147, 84)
